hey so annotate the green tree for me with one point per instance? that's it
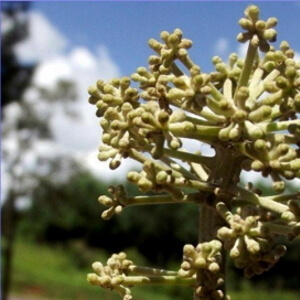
(28, 125)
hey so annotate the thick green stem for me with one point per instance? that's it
(150, 271)
(265, 202)
(164, 199)
(226, 168)
(157, 280)
(246, 71)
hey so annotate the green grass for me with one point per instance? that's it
(53, 273)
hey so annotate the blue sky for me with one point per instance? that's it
(125, 27)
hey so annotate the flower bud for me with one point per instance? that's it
(260, 25)
(246, 24)
(252, 12)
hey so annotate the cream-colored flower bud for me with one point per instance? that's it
(200, 262)
(288, 216)
(239, 116)
(282, 82)
(93, 91)
(278, 186)
(154, 60)
(246, 24)
(107, 214)
(225, 233)
(237, 248)
(93, 100)
(139, 78)
(270, 87)
(260, 25)
(290, 72)
(214, 267)
(252, 245)
(93, 279)
(186, 44)
(223, 134)
(186, 266)
(271, 22)
(255, 41)
(233, 57)
(133, 176)
(125, 83)
(189, 251)
(144, 184)
(216, 60)
(105, 200)
(235, 133)
(260, 145)
(97, 267)
(222, 68)
(270, 35)
(164, 35)
(260, 114)
(254, 131)
(162, 177)
(155, 45)
(252, 12)
(257, 165)
(177, 116)
(174, 39)
(243, 37)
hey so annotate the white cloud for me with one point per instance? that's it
(242, 50)
(44, 40)
(49, 72)
(78, 137)
(221, 46)
(83, 68)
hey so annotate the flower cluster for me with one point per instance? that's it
(249, 242)
(204, 259)
(115, 203)
(112, 275)
(247, 110)
(246, 104)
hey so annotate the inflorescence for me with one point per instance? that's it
(247, 109)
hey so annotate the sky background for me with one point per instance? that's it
(125, 27)
(85, 41)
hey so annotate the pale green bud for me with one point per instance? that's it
(257, 165)
(214, 267)
(93, 91)
(260, 114)
(252, 12)
(246, 24)
(260, 25)
(155, 45)
(200, 262)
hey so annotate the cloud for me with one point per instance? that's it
(79, 136)
(242, 50)
(221, 46)
(75, 137)
(44, 40)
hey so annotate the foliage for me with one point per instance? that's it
(15, 77)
